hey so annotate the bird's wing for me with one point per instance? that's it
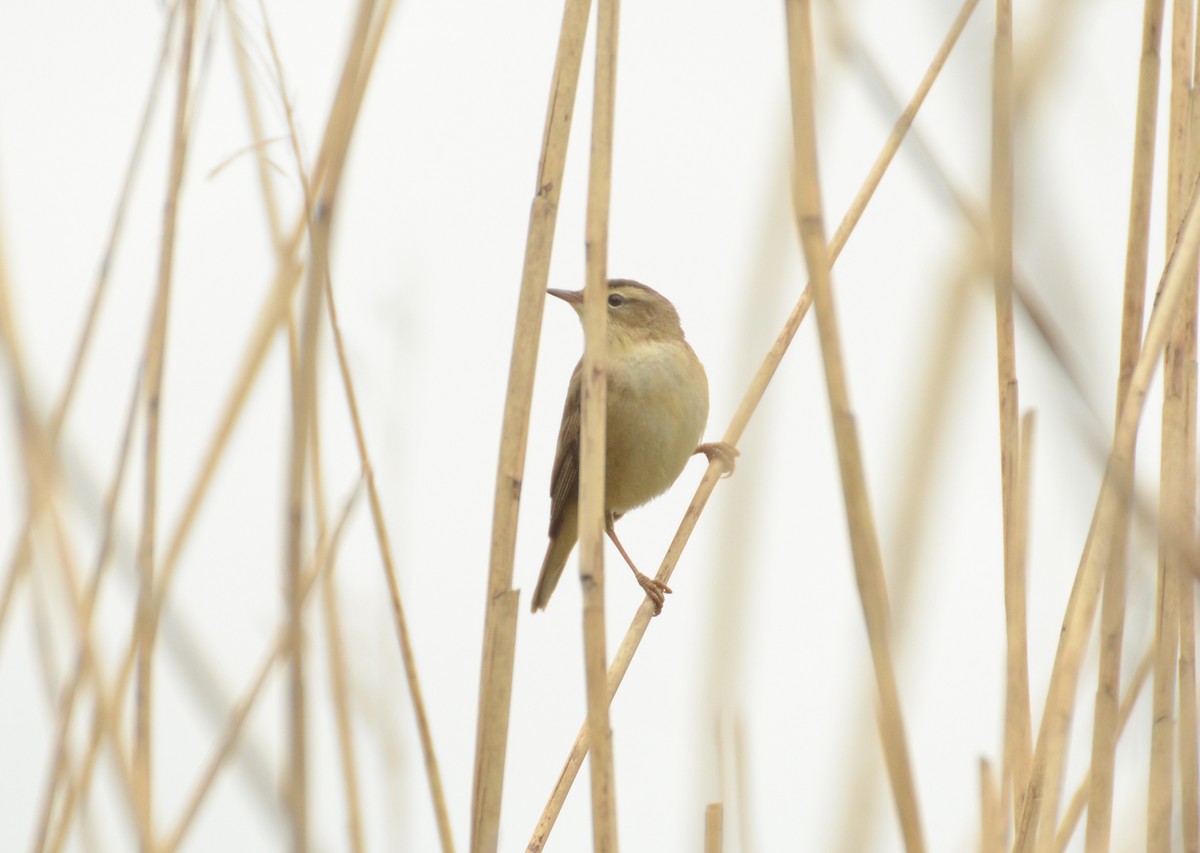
(564, 480)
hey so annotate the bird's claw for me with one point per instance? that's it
(720, 451)
(655, 589)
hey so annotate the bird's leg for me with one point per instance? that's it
(655, 589)
(722, 451)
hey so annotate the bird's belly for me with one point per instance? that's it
(656, 416)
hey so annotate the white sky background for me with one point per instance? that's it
(426, 262)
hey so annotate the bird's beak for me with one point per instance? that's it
(574, 298)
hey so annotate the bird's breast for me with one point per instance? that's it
(657, 409)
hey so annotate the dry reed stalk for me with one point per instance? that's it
(334, 645)
(1105, 725)
(1176, 493)
(991, 826)
(713, 820)
(1080, 799)
(1017, 712)
(500, 619)
(146, 624)
(303, 413)
(322, 565)
(1189, 761)
(592, 434)
(1186, 724)
(340, 690)
(863, 539)
(1041, 800)
(1018, 747)
(733, 433)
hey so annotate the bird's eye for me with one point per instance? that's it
(616, 300)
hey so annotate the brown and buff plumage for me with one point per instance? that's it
(657, 409)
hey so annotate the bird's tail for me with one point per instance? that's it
(559, 549)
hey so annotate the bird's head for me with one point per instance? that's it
(636, 314)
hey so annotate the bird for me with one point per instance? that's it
(657, 410)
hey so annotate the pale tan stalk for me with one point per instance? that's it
(991, 828)
(322, 564)
(864, 541)
(340, 689)
(1141, 675)
(500, 620)
(749, 403)
(334, 645)
(303, 412)
(1040, 806)
(1017, 715)
(1018, 747)
(1105, 729)
(713, 820)
(1176, 494)
(147, 627)
(1189, 749)
(1189, 760)
(592, 438)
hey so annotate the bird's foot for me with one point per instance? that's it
(655, 589)
(720, 451)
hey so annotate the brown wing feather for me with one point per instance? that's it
(564, 479)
